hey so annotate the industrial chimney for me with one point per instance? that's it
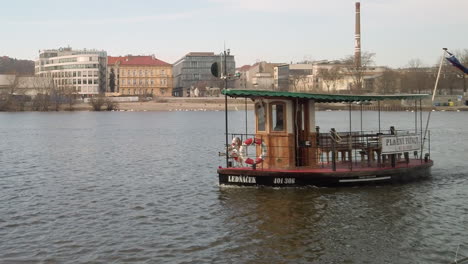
(357, 37)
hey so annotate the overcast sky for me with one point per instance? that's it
(271, 30)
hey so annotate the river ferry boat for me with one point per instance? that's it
(289, 149)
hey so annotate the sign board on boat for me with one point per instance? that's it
(398, 144)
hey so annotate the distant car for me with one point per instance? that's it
(149, 98)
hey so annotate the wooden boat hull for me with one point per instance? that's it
(416, 170)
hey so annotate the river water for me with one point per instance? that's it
(141, 187)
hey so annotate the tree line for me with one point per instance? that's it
(41, 94)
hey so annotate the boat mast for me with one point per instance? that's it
(226, 107)
(432, 101)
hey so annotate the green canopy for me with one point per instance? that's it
(320, 98)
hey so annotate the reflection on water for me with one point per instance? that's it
(142, 188)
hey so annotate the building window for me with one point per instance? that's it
(85, 81)
(163, 72)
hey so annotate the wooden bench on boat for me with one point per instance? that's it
(367, 145)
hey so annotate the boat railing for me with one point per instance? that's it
(338, 150)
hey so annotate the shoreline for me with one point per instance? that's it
(239, 104)
(168, 104)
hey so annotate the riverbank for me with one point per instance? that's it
(239, 104)
(178, 104)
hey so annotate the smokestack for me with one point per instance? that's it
(357, 36)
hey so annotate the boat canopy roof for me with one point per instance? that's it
(320, 98)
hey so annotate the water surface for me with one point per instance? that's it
(141, 187)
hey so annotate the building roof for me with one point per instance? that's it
(320, 98)
(136, 61)
(244, 68)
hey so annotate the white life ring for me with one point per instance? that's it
(252, 142)
(233, 149)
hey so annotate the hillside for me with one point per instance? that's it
(10, 66)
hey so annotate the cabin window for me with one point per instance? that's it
(260, 112)
(277, 116)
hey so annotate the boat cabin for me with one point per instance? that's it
(287, 128)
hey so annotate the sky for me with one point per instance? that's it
(282, 31)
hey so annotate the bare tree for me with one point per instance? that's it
(97, 102)
(7, 97)
(448, 80)
(357, 73)
(295, 81)
(69, 96)
(43, 89)
(388, 82)
(415, 64)
(330, 76)
(110, 104)
(416, 78)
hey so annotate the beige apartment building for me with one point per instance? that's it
(140, 75)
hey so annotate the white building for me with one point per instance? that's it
(83, 70)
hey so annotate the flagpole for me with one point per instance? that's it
(438, 74)
(432, 101)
